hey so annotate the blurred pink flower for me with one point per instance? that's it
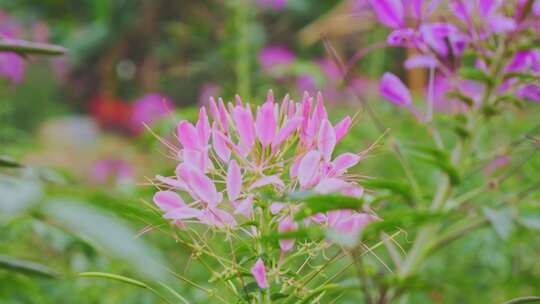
(149, 109)
(275, 56)
(208, 90)
(273, 4)
(111, 170)
(530, 92)
(497, 163)
(12, 66)
(393, 89)
(444, 85)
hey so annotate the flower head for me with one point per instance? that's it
(228, 156)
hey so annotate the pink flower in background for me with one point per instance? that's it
(12, 66)
(485, 13)
(40, 32)
(149, 109)
(444, 85)
(111, 170)
(275, 56)
(273, 4)
(284, 146)
(208, 90)
(530, 92)
(393, 89)
(330, 69)
(497, 163)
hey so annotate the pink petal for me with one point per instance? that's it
(354, 191)
(287, 225)
(266, 124)
(217, 217)
(214, 111)
(183, 213)
(203, 128)
(326, 140)
(401, 37)
(394, 90)
(344, 162)
(289, 128)
(293, 171)
(520, 62)
(331, 185)
(259, 273)
(203, 187)
(342, 128)
(168, 200)
(220, 144)
(196, 159)
(171, 182)
(223, 115)
(245, 207)
(308, 167)
(501, 24)
(389, 12)
(487, 7)
(276, 207)
(267, 180)
(353, 224)
(421, 61)
(188, 135)
(234, 180)
(244, 125)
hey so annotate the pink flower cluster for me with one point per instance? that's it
(441, 44)
(224, 161)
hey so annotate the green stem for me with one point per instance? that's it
(242, 48)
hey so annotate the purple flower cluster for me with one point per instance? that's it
(479, 27)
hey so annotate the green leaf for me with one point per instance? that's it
(462, 97)
(18, 195)
(130, 281)
(394, 186)
(27, 267)
(501, 220)
(475, 74)
(403, 219)
(116, 277)
(106, 233)
(438, 158)
(6, 161)
(303, 233)
(23, 47)
(521, 300)
(320, 203)
(531, 222)
(278, 296)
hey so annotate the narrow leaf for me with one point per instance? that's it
(26, 267)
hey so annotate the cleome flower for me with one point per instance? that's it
(229, 156)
